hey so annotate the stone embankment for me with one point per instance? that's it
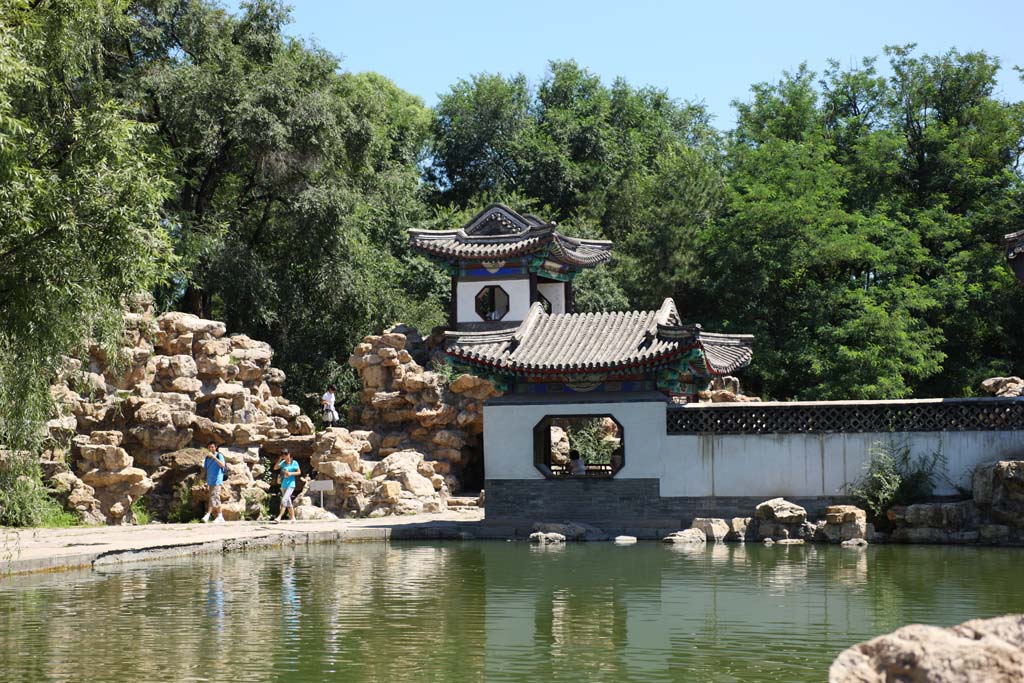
(132, 428)
(977, 651)
(994, 515)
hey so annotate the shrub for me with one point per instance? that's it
(140, 513)
(893, 477)
(183, 509)
(589, 439)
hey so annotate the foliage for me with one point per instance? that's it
(139, 512)
(444, 370)
(81, 226)
(183, 508)
(588, 437)
(893, 477)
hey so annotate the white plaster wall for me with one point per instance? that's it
(518, 291)
(766, 465)
(555, 293)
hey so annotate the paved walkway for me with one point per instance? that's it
(34, 550)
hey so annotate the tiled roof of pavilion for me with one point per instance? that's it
(545, 344)
(498, 232)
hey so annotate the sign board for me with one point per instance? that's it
(321, 485)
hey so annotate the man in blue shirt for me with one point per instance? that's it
(289, 471)
(214, 466)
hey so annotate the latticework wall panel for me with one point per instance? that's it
(839, 417)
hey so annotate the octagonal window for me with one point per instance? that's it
(492, 303)
(574, 446)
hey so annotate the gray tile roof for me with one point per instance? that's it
(498, 232)
(594, 342)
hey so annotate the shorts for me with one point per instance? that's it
(286, 497)
(215, 496)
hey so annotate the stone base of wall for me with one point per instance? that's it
(617, 504)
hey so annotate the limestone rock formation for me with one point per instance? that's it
(779, 519)
(842, 523)
(978, 651)
(715, 530)
(686, 536)
(412, 408)
(1003, 386)
(725, 390)
(139, 418)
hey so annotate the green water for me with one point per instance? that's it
(490, 611)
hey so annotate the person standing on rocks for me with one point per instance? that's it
(289, 471)
(214, 466)
(330, 415)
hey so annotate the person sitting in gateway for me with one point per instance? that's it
(577, 468)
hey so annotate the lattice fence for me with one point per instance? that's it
(814, 418)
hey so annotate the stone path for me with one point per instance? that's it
(35, 550)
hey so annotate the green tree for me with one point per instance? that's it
(81, 226)
(294, 183)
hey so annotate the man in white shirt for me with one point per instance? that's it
(330, 415)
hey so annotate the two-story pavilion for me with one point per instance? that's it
(513, 319)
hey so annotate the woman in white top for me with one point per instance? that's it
(330, 415)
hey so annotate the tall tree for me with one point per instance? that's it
(81, 225)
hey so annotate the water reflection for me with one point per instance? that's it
(490, 611)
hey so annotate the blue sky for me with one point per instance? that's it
(709, 51)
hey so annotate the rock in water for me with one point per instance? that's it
(978, 651)
(686, 536)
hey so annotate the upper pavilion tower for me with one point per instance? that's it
(502, 262)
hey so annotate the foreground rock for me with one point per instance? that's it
(978, 651)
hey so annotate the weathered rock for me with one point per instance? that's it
(782, 511)
(842, 523)
(741, 529)
(715, 530)
(686, 536)
(573, 531)
(546, 538)
(979, 651)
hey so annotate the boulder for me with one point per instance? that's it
(740, 529)
(546, 538)
(715, 530)
(573, 531)
(686, 536)
(782, 511)
(979, 651)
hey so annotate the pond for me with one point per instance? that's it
(490, 611)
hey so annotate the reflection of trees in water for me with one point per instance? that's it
(296, 616)
(490, 611)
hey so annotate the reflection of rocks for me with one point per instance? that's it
(982, 650)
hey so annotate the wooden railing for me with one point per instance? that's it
(805, 417)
